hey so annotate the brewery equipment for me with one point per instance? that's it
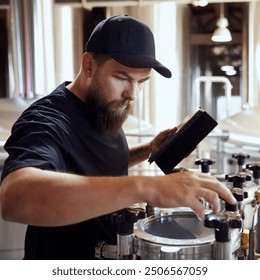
(178, 234)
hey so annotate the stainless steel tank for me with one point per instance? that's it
(178, 234)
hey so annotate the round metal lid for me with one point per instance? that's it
(174, 228)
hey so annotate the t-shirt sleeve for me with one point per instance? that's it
(34, 145)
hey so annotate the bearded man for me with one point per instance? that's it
(68, 157)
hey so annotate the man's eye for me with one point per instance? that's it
(121, 78)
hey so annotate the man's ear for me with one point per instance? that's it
(87, 64)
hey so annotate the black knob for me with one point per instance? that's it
(222, 224)
(255, 167)
(231, 207)
(238, 197)
(126, 218)
(205, 164)
(241, 158)
(238, 178)
(222, 232)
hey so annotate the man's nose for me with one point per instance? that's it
(131, 91)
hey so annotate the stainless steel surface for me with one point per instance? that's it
(177, 233)
(249, 206)
(105, 251)
(124, 247)
(257, 248)
(251, 255)
(243, 128)
(223, 250)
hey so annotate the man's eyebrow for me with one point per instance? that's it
(129, 76)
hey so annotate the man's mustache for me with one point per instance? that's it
(120, 103)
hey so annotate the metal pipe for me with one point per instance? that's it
(251, 254)
(105, 251)
(27, 50)
(125, 246)
(214, 79)
(257, 234)
(223, 250)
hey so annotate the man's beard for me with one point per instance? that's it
(106, 117)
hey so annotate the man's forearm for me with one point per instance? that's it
(139, 153)
(48, 198)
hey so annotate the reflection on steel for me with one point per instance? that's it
(243, 127)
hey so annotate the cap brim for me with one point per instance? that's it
(137, 61)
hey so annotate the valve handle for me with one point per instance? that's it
(222, 226)
(241, 158)
(205, 164)
(238, 178)
(126, 218)
(231, 207)
(255, 167)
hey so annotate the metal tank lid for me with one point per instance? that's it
(243, 127)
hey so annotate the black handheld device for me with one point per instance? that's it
(191, 132)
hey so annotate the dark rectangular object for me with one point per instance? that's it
(178, 146)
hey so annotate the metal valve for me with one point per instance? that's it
(255, 168)
(126, 218)
(238, 179)
(222, 223)
(205, 164)
(241, 157)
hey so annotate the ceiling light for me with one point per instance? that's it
(227, 68)
(231, 72)
(226, 65)
(222, 33)
(200, 3)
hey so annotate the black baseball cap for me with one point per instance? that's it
(127, 40)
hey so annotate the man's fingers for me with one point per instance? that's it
(213, 184)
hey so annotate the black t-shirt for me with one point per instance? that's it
(54, 134)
